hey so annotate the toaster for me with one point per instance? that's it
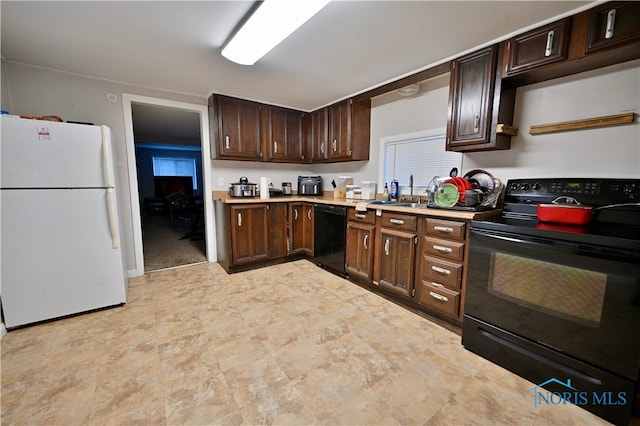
(309, 185)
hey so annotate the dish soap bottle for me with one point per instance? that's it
(395, 189)
(385, 194)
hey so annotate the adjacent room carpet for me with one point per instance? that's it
(163, 246)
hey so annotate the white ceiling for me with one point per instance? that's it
(349, 47)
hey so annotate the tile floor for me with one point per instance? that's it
(288, 344)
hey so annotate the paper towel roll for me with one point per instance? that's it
(264, 188)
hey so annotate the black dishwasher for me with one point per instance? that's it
(329, 236)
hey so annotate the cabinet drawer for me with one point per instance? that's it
(539, 47)
(439, 298)
(442, 271)
(452, 250)
(399, 221)
(363, 217)
(446, 228)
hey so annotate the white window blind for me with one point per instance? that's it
(423, 157)
(166, 166)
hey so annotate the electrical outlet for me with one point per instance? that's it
(220, 181)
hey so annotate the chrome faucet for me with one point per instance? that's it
(411, 188)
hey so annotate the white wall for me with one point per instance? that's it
(28, 90)
(605, 152)
(600, 152)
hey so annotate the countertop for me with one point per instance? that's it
(223, 197)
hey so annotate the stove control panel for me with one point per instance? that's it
(585, 190)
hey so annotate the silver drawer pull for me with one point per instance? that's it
(275, 147)
(226, 141)
(441, 270)
(443, 229)
(611, 21)
(386, 247)
(397, 221)
(438, 296)
(366, 243)
(295, 214)
(549, 49)
(443, 249)
(361, 216)
(239, 219)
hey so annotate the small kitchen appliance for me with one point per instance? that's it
(309, 185)
(243, 188)
(286, 188)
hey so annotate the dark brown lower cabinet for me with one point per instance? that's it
(251, 235)
(359, 252)
(249, 226)
(397, 256)
(301, 228)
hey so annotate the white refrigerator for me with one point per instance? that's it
(60, 248)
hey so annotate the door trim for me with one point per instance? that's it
(202, 110)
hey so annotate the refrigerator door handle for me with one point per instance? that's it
(106, 157)
(109, 183)
(113, 222)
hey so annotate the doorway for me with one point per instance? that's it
(169, 177)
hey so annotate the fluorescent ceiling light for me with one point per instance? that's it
(271, 23)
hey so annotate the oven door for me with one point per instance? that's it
(580, 300)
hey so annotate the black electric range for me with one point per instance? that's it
(616, 220)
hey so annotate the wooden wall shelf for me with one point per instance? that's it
(587, 123)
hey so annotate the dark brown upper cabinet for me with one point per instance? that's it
(341, 132)
(283, 134)
(613, 24)
(478, 101)
(539, 47)
(235, 128)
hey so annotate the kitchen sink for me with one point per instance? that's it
(400, 204)
(412, 205)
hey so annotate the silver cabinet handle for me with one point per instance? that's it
(476, 123)
(441, 270)
(438, 296)
(443, 249)
(611, 22)
(386, 247)
(335, 145)
(443, 229)
(226, 141)
(549, 48)
(295, 214)
(361, 216)
(397, 221)
(322, 147)
(309, 214)
(275, 147)
(366, 244)
(239, 219)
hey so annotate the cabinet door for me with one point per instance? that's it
(539, 47)
(238, 124)
(283, 134)
(470, 98)
(319, 135)
(613, 24)
(249, 233)
(340, 131)
(397, 255)
(307, 239)
(359, 252)
(301, 228)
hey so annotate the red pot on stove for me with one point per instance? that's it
(565, 210)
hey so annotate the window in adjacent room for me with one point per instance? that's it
(167, 166)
